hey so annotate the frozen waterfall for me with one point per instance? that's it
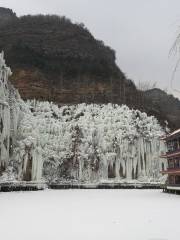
(82, 143)
(92, 143)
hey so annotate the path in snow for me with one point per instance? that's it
(89, 214)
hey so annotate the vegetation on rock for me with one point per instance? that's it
(56, 60)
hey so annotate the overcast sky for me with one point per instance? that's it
(141, 31)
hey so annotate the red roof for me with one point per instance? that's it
(171, 171)
(176, 132)
(171, 154)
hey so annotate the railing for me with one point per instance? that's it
(174, 168)
(173, 185)
(174, 151)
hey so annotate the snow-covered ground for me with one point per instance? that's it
(89, 214)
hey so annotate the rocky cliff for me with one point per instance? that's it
(56, 60)
(82, 143)
(165, 104)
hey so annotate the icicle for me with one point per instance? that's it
(85, 142)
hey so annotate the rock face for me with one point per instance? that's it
(56, 60)
(82, 143)
(166, 105)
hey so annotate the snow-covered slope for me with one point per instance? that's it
(84, 143)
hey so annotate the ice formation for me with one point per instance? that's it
(83, 143)
(93, 142)
(12, 111)
(9, 111)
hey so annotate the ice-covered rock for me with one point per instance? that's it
(85, 143)
(9, 114)
(93, 142)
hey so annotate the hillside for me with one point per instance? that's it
(83, 143)
(56, 60)
(165, 104)
(6, 15)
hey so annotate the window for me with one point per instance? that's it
(175, 144)
(171, 179)
(171, 163)
(176, 163)
(177, 179)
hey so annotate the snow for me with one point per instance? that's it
(9, 114)
(94, 140)
(89, 214)
(85, 142)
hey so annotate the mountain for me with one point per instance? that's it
(167, 105)
(56, 60)
(87, 143)
(6, 15)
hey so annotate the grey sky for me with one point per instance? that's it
(141, 31)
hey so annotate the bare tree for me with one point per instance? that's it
(175, 51)
(146, 85)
